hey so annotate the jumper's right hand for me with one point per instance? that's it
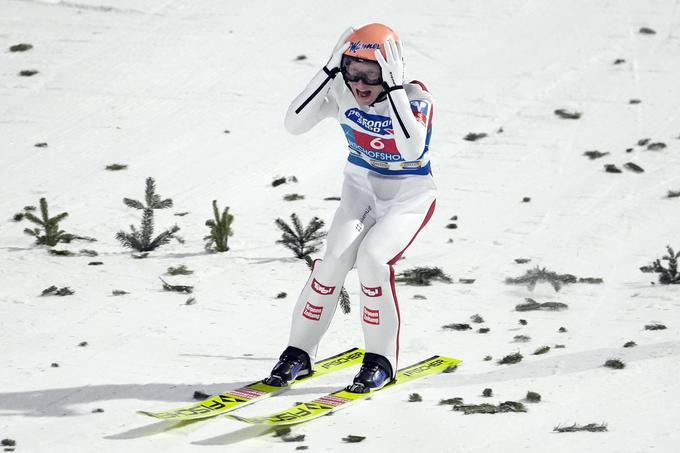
(340, 47)
(393, 65)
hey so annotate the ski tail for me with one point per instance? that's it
(251, 393)
(342, 398)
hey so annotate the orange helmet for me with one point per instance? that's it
(364, 41)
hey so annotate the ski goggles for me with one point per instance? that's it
(357, 69)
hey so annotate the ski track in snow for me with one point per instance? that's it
(155, 85)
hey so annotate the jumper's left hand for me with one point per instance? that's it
(342, 45)
(393, 65)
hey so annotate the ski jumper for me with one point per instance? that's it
(388, 196)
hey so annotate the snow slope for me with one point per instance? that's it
(155, 84)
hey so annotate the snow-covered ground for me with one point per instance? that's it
(155, 84)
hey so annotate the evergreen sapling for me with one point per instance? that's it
(140, 240)
(47, 232)
(179, 270)
(591, 427)
(533, 276)
(422, 276)
(669, 275)
(302, 241)
(220, 229)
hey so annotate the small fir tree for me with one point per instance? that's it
(533, 276)
(485, 408)
(457, 401)
(140, 240)
(511, 358)
(615, 364)
(415, 398)
(533, 397)
(567, 115)
(23, 47)
(352, 439)
(303, 242)
(542, 350)
(186, 289)
(116, 167)
(531, 304)
(422, 276)
(591, 427)
(457, 326)
(179, 270)
(53, 290)
(220, 229)
(667, 275)
(48, 232)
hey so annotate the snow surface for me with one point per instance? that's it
(154, 84)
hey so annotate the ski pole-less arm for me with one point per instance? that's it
(313, 104)
(409, 133)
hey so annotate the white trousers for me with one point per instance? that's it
(378, 218)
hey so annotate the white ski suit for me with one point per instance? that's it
(388, 196)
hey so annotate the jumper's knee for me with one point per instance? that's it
(371, 267)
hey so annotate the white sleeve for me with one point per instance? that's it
(410, 132)
(312, 105)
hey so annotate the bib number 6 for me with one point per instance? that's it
(376, 143)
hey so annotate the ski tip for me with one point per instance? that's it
(451, 359)
(440, 358)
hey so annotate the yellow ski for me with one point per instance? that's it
(234, 399)
(337, 400)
